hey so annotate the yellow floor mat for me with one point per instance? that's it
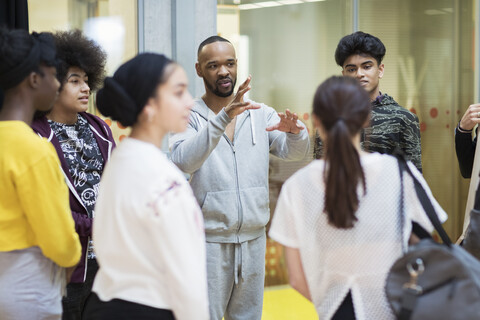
(284, 303)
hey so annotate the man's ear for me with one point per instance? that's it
(381, 68)
(343, 72)
(199, 70)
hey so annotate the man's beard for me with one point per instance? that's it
(215, 88)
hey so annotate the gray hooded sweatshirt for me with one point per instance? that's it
(230, 179)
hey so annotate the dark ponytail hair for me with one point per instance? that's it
(124, 95)
(342, 106)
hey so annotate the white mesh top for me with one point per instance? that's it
(336, 261)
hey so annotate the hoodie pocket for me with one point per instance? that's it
(220, 211)
(255, 208)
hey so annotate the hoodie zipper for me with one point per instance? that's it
(237, 187)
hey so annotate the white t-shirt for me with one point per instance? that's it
(335, 260)
(149, 235)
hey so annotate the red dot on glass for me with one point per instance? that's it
(412, 110)
(423, 127)
(458, 111)
(306, 116)
(447, 112)
(433, 112)
(448, 126)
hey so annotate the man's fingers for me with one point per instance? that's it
(245, 83)
(272, 128)
(239, 104)
(253, 106)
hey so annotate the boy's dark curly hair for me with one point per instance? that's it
(359, 43)
(76, 50)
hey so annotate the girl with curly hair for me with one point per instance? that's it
(83, 143)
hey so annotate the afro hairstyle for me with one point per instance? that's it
(76, 50)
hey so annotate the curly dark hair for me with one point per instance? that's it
(76, 50)
(359, 43)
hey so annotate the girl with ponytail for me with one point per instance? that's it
(339, 218)
(148, 231)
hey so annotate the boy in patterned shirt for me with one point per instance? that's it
(391, 126)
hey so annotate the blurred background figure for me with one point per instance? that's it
(37, 234)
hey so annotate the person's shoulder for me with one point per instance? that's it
(397, 110)
(305, 174)
(376, 162)
(99, 124)
(28, 143)
(93, 119)
(40, 125)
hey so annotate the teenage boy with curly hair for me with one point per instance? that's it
(391, 126)
(83, 143)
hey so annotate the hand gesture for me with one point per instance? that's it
(471, 117)
(288, 123)
(237, 105)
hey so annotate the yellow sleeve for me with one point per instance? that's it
(44, 199)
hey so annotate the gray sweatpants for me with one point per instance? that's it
(30, 286)
(236, 275)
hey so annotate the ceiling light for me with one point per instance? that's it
(248, 6)
(290, 1)
(433, 12)
(268, 4)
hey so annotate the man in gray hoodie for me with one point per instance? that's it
(226, 150)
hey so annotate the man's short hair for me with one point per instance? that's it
(360, 43)
(209, 40)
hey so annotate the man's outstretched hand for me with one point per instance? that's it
(288, 123)
(237, 105)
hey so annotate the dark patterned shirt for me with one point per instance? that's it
(391, 126)
(85, 162)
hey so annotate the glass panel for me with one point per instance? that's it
(429, 70)
(113, 24)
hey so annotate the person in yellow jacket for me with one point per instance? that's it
(37, 234)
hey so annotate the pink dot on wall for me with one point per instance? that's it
(448, 126)
(423, 127)
(447, 112)
(306, 116)
(433, 112)
(412, 110)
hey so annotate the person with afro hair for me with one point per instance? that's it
(391, 126)
(37, 233)
(83, 143)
